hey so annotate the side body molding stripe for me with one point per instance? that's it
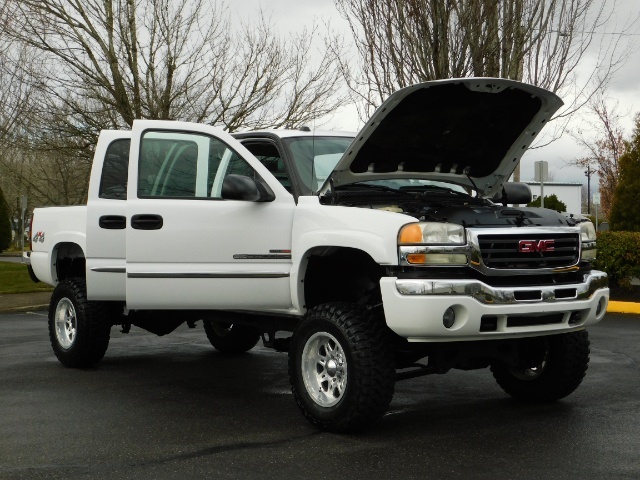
(109, 269)
(207, 275)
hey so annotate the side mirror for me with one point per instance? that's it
(241, 187)
(513, 192)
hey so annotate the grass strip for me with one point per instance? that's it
(14, 278)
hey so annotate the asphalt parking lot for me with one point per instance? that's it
(172, 408)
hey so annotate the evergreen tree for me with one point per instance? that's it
(5, 223)
(552, 202)
(625, 211)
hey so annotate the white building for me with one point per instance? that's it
(569, 193)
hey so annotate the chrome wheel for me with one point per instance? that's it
(530, 373)
(229, 337)
(65, 323)
(79, 330)
(324, 369)
(341, 366)
(222, 329)
(552, 367)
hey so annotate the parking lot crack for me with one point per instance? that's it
(234, 447)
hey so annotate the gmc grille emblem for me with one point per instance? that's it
(532, 246)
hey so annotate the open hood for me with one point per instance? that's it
(470, 131)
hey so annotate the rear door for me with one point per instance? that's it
(106, 217)
(187, 248)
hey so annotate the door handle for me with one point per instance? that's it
(112, 222)
(146, 221)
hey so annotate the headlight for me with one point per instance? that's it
(588, 237)
(587, 231)
(432, 243)
(431, 233)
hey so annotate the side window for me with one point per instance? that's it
(113, 182)
(186, 165)
(269, 156)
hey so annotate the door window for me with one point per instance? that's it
(269, 156)
(113, 182)
(186, 165)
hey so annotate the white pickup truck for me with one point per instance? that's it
(369, 258)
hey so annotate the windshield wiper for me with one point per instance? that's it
(381, 188)
(422, 188)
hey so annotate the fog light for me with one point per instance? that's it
(600, 306)
(574, 318)
(449, 318)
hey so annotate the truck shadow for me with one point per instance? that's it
(254, 388)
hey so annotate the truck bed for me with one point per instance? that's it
(51, 226)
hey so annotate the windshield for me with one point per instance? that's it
(316, 157)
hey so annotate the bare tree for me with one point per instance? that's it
(402, 42)
(16, 91)
(104, 63)
(112, 61)
(542, 42)
(604, 149)
(18, 97)
(47, 178)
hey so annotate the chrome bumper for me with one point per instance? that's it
(26, 258)
(415, 309)
(489, 295)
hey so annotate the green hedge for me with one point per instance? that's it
(619, 256)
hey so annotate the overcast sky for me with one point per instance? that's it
(292, 15)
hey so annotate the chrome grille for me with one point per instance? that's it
(502, 252)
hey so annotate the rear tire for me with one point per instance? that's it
(341, 367)
(231, 338)
(79, 330)
(556, 370)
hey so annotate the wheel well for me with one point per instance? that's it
(69, 261)
(341, 274)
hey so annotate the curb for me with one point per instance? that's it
(28, 308)
(623, 307)
(24, 302)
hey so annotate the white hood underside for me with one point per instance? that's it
(470, 132)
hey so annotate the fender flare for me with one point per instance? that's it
(370, 244)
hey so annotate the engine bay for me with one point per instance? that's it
(438, 204)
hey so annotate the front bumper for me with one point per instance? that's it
(414, 308)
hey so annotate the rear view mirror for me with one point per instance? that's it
(514, 193)
(241, 187)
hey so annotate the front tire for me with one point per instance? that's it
(79, 330)
(557, 365)
(341, 367)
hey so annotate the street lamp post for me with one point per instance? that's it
(588, 174)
